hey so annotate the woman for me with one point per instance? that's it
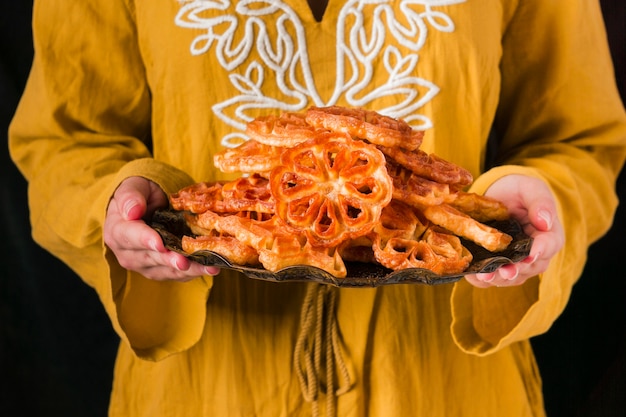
(128, 102)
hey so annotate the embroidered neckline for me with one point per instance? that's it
(381, 34)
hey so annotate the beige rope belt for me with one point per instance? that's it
(318, 351)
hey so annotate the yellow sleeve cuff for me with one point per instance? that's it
(155, 318)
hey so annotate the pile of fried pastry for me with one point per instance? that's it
(331, 185)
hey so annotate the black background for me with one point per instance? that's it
(57, 346)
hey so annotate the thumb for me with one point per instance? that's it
(542, 219)
(541, 207)
(131, 197)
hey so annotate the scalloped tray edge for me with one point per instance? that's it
(171, 226)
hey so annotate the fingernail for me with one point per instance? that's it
(128, 206)
(546, 217)
(486, 277)
(531, 259)
(152, 244)
(506, 271)
(211, 270)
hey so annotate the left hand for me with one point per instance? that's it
(136, 245)
(530, 202)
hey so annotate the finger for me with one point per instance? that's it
(511, 274)
(508, 272)
(545, 247)
(174, 266)
(131, 197)
(135, 235)
(505, 275)
(542, 219)
(170, 264)
(185, 265)
(479, 280)
(146, 261)
(482, 280)
(541, 207)
(163, 273)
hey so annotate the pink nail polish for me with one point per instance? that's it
(512, 277)
(486, 277)
(546, 217)
(211, 270)
(128, 206)
(507, 271)
(530, 259)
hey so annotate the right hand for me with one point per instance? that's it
(530, 202)
(136, 245)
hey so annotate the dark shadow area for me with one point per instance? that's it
(582, 358)
(56, 344)
(57, 347)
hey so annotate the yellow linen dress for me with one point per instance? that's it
(123, 88)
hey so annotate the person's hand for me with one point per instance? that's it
(136, 245)
(530, 202)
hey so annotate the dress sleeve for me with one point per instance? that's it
(83, 126)
(561, 120)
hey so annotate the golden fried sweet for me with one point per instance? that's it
(414, 190)
(366, 124)
(229, 247)
(399, 220)
(331, 187)
(249, 157)
(398, 253)
(429, 166)
(251, 194)
(465, 226)
(286, 130)
(291, 250)
(198, 198)
(454, 257)
(243, 194)
(479, 207)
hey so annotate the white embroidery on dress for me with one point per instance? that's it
(233, 29)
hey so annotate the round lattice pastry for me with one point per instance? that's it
(398, 254)
(331, 187)
(366, 124)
